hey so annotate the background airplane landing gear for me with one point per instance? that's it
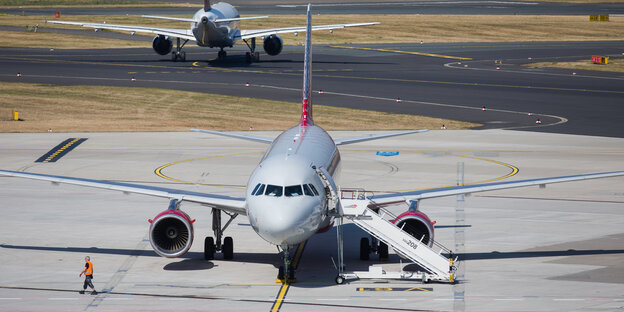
(178, 55)
(221, 56)
(252, 57)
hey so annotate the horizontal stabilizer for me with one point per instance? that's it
(236, 135)
(376, 137)
(179, 19)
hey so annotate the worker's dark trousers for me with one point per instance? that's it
(87, 282)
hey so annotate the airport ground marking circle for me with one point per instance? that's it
(158, 171)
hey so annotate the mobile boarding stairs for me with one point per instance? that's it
(438, 267)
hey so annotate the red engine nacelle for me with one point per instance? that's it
(171, 233)
(417, 224)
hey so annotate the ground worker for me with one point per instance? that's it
(88, 272)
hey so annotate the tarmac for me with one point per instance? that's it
(529, 249)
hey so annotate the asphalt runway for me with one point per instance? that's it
(262, 7)
(528, 249)
(453, 81)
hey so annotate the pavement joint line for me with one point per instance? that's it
(403, 52)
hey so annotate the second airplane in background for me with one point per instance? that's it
(214, 26)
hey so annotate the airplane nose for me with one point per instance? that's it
(285, 222)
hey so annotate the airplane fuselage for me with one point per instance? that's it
(286, 200)
(209, 33)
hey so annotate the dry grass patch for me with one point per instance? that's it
(615, 65)
(29, 39)
(96, 109)
(393, 28)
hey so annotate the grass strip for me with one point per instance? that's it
(392, 30)
(100, 108)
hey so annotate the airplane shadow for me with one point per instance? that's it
(189, 261)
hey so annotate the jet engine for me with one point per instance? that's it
(273, 45)
(171, 233)
(162, 44)
(417, 224)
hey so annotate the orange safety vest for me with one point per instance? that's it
(89, 270)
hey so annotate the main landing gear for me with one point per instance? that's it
(178, 53)
(376, 246)
(252, 55)
(225, 245)
(286, 272)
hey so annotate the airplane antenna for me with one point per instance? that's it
(306, 111)
(207, 6)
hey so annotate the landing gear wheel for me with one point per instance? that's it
(364, 249)
(174, 56)
(280, 273)
(222, 54)
(340, 280)
(256, 57)
(209, 248)
(183, 56)
(248, 58)
(228, 248)
(383, 252)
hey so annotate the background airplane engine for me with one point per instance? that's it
(162, 44)
(171, 233)
(417, 224)
(273, 45)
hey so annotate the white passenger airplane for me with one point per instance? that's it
(213, 26)
(290, 195)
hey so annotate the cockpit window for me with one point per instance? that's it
(273, 190)
(314, 189)
(259, 190)
(293, 190)
(255, 189)
(307, 190)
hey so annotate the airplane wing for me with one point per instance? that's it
(466, 189)
(246, 34)
(177, 33)
(226, 203)
(375, 137)
(238, 136)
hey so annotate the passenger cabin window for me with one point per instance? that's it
(259, 190)
(307, 190)
(293, 190)
(314, 189)
(273, 190)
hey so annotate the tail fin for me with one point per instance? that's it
(207, 5)
(306, 109)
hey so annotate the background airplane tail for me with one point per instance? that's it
(306, 109)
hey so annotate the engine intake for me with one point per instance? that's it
(171, 233)
(162, 44)
(273, 45)
(417, 224)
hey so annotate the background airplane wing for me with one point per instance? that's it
(235, 135)
(375, 137)
(246, 34)
(230, 204)
(178, 33)
(465, 189)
